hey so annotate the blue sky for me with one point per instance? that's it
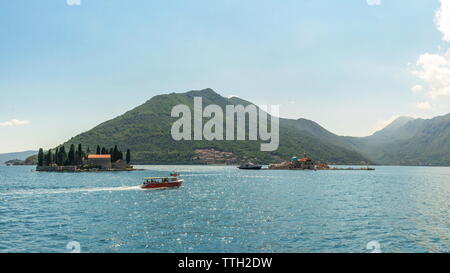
(347, 65)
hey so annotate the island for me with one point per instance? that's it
(307, 163)
(18, 162)
(77, 160)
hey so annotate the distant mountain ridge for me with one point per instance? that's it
(18, 155)
(393, 129)
(409, 141)
(146, 131)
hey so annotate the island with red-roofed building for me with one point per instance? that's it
(77, 160)
(307, 163)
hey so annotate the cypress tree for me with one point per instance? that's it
(103, 151)
(41, 157)
(88, 151)
(48, 158)
(53, 158)
(98, 149)
(79, 155)
(128, 156)
(71, 157)
(57, 157)
(63, 155)
(115, 154)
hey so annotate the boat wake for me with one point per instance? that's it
(73, 190)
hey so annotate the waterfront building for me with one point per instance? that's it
(100, 161)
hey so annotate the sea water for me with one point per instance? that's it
(223, 209)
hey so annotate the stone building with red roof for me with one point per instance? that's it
(99, 161)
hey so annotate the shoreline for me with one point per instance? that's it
(231, 165)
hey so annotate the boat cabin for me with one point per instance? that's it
(159, 180)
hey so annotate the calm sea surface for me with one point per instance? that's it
(223, 209)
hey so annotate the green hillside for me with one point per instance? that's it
(146, 131)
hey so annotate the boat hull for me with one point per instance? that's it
(251, 168)
(163, 185)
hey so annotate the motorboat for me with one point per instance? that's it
(173, 181)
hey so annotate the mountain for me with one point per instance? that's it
(408, 141)
(395, 130)
(146, 131)
(13, 156)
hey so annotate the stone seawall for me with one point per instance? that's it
(76, 169)
(56, 169)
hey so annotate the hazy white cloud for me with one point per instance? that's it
(73, 2)
(373, 2)
(434, 69)
(417, 88)
(14, 122)
(423, 105)
(442, 19)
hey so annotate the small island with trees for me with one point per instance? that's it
(78, 160)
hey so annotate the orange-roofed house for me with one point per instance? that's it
(100, 161)
(306, 163)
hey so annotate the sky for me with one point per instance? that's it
(352, 66)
